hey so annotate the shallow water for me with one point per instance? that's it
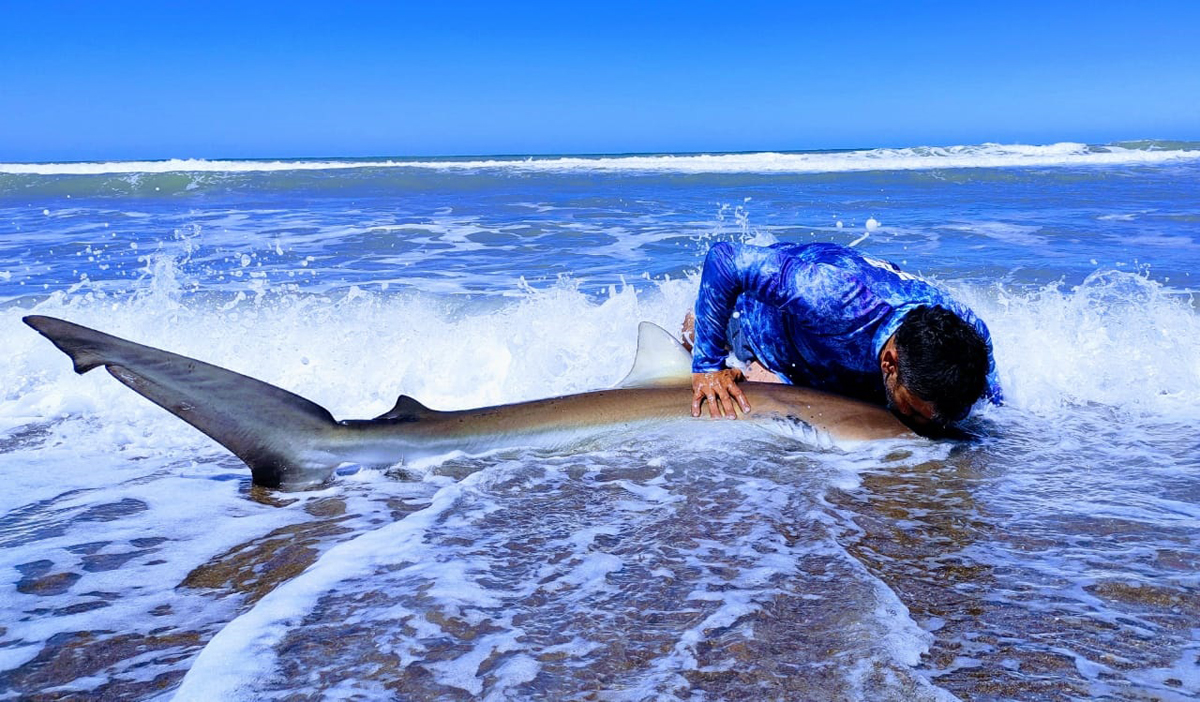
(1055, 556)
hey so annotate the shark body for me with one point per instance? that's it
(292, 443)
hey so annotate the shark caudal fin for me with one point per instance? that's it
(267, 427)
(660, 360)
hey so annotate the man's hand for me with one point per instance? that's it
(720, 389)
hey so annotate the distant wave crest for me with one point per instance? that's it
(903, 159)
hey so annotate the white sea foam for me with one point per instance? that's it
(1020, 235)
(1118, 340)
(241, 654)
(898, 159)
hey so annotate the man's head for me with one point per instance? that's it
(934, 367)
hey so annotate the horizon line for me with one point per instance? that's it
(1179, 143)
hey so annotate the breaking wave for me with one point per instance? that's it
(987, 155)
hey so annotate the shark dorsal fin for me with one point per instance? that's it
(406, 410)
(660, 360)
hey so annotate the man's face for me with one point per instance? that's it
(915, 412)
(919, 415)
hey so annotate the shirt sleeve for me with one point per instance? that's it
(721, 281)
(823, 297)
(993, 393)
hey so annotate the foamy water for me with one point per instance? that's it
(1052, 557)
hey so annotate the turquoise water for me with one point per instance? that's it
(1054, 557)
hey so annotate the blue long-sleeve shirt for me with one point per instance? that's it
(817, 315)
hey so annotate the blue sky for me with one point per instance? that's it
(129, 80)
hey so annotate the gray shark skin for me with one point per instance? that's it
(292, 443)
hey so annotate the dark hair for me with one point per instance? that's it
(943, 360)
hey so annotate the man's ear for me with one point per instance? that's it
(888, 360)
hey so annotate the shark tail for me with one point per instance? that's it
(272, 430)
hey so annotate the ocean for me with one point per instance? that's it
(1053, 556)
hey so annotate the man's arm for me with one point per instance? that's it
(728, 271)
(994, 393)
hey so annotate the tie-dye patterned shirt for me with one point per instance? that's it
(817, 315)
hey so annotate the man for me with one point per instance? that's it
(828, 317)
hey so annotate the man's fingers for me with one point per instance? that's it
(720, 390)
(726, 407)
(740, 396)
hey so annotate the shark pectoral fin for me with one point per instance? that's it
(660, 360)
(406, 410)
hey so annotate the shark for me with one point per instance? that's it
(292, 443)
